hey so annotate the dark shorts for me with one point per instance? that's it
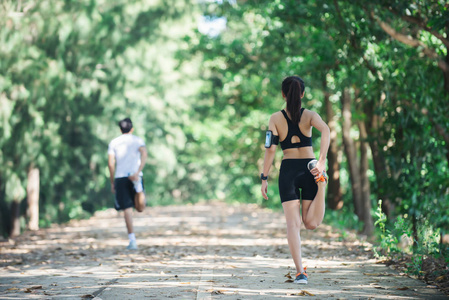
(124, 193)
(294, 176)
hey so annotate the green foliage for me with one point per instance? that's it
(69, 72)
(389, 241)
(343, 220)
(401, 241)
(70, 69)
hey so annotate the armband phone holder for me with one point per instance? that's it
(271, 139)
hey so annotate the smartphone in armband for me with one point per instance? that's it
(268, 139)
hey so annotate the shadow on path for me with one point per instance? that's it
(213, 251)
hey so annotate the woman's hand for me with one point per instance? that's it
(318, 170)
(264, 189)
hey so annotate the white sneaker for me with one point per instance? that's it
(312, 164)
(323, 177)
(132, 245)
(138, 186)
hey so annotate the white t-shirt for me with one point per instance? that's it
(125, 148)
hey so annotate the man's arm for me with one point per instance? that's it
(143, 160)
(111, 166)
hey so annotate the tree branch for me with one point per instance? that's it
(440, 129)
(422, 24)
(340, 18)
(407, 40)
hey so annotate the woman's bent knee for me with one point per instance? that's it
(310, 225)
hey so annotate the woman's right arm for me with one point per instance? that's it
(322, 127)
(268, 159)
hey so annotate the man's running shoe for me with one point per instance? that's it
(323, 177)
(138, 186)
(132, 245)
(301, 277)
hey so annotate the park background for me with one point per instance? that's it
(200, 79)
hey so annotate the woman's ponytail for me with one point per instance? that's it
(293, 88)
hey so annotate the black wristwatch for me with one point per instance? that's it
(263, 177)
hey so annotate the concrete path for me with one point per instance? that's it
(213, 251)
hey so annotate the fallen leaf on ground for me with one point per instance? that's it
(402, 288)
(217, 293)
(325, 271)
(308, 293)
(376, 274)
(33, 288)
(301, 293)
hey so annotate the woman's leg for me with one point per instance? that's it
(293, 218)
(313, 211)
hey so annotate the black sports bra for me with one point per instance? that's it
(293, 130)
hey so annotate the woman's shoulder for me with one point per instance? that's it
(308, 112)
(277, 116)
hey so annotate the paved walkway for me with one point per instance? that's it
(214, 251)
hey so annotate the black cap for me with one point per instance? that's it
(125, 125)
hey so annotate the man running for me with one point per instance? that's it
(126, 158)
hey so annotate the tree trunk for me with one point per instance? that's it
(351, 154)
(15, 218)
(368, 227)
(334, 194)
(380, 166)
(5, 223)
(33, 198)
(446, 72)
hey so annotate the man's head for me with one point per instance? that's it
(125, 125)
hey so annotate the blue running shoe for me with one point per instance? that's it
(301, 277)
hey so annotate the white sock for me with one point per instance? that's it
(132, 237)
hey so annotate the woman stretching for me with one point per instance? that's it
(301, 177)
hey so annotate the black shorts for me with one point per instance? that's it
(124, 193)
(294, 176)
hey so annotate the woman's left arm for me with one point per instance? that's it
(268, 159)
(322, 127)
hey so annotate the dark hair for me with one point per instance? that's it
(293, 87)
(125, 125)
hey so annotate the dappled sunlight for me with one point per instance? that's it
(190, 252)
